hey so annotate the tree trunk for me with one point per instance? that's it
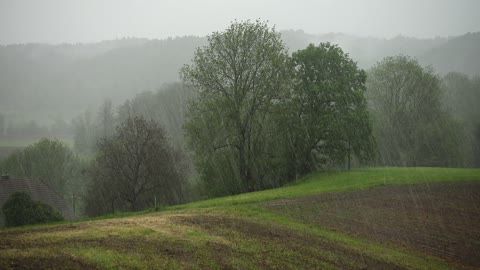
(349, 155)
(133, 205)
(349, 160)
(245, 170)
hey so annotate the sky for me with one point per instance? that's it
(69, 21)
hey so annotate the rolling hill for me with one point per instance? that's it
(41, 82)
(379, 218)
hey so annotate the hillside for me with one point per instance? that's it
(43, 82)
(390, 218)
(461, 54)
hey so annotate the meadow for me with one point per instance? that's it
(377, 218)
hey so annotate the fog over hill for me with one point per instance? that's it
(41, 81)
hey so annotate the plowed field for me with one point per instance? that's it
(440, 219)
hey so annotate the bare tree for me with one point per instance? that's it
(138, 164)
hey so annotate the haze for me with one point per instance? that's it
(60, 21)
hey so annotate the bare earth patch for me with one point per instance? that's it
(438, 219)
(441, 219)
(278, 247)
(172, 241)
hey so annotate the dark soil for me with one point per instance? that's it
(440, 219)
(282, 246)
(57, 262)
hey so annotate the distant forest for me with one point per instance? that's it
(52, 84)
(218, 117)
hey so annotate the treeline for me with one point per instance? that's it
(54, 164)
(249, 115)
(262, 118)
(39, 80)
(420, 119)
(12, 126)
(167, 106)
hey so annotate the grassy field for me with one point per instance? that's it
(282, 228)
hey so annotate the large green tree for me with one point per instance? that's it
(238, 78)
(327, 119)
(410, 125)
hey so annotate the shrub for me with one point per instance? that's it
(19, 210)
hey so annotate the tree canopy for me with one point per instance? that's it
(260, 117)
(328, 118)
(48, 161)
(411, 127)
(238, 77)
(134, 167)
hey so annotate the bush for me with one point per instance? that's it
(19, 210)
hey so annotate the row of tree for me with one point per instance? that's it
(258, 117)
(20, 129)
(261, 117)
(255, 116)
(133, 168)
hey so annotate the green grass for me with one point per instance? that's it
(230, 232)
(337, 181)
(386, 253)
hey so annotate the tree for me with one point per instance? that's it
(327, 116)
(19, 210)
(2, 124)
(106, 119)
(237, 77)
(84, 133)
(135, 165)
(167, 106)
(462, 96)
(410, 125)
(48, 161)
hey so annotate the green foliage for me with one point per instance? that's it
(462, 96)
(410, 125)
(326, 118)
(261, 118)
(19, 210)
(238, 78)
(49, 161)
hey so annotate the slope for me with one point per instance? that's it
(247, 231)
(460, 54)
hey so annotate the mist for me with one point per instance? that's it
(56, 21)
(239, 134)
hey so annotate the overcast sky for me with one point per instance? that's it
(58, 21)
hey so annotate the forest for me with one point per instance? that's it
(245, 109)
